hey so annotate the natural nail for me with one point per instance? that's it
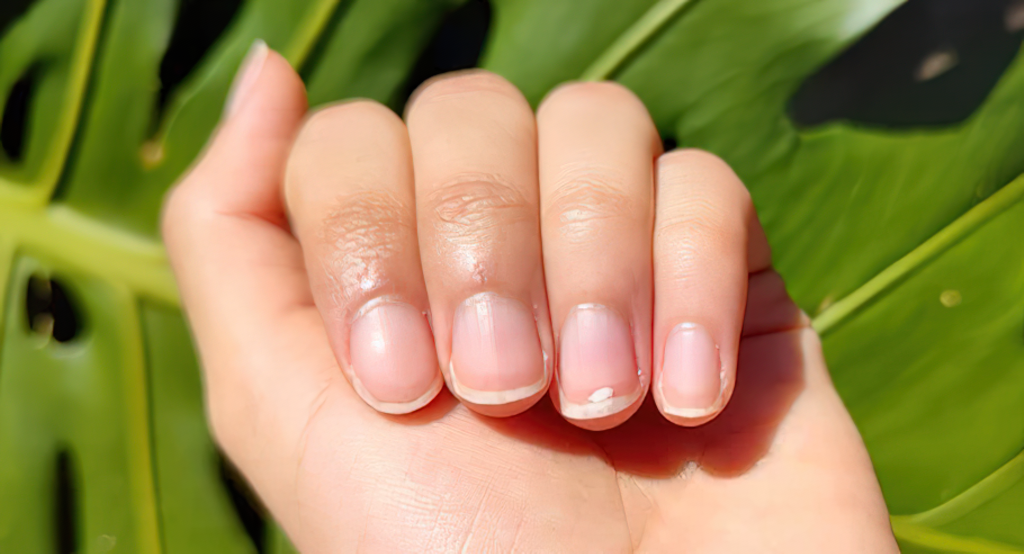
(496, 351)
(597, 369)
(691, 376)
(392, 357)
(248, 74)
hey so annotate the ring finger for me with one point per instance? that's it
(597, 150)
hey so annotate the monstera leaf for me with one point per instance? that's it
(884, 163)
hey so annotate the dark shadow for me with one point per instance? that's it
(198, 25)
(458, 43)
(50, 310)
(11, 11)
(65, 503)
(929, 63)
(247, 506)
(770, 376)
(14, 127)
(769, 379)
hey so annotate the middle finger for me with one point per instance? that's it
(474, 154)
(597, 150)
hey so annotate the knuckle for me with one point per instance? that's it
(692, 157)
(461, 83)
(695, 220)
(359, 238)
(601, 95)
(698, 169)
(476, 204)
(329, 121)
(331, 130)
(337, 138)
(583, 202)
(684, 246)
(691, 175)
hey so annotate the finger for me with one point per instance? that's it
(241, 274)
(474, 150)
(597, 146)
(350, 196)
(707, 241)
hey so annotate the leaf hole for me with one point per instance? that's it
(247, 506)
(65, 502)
(14, 127)
(928, 63)
(457, 44)
(11, 11)
(198, 25)
(51, 311)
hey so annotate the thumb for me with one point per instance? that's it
(242, 169)
(241, 273)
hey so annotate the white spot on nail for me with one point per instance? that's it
(936, 63)
(950, 298)
(600, 395)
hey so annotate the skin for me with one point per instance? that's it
(292, 227)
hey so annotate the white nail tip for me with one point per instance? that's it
(600, 404)
(689, 413)
(396, 408)
(494, 398)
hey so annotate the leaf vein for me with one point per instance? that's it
(949, 236)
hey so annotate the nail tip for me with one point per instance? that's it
(494, 398)
(689, 413)
(596, 410)
(257, 52)
(398, 408)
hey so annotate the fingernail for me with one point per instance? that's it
(597, 369)
(691, 375)
(496, 352)
(248, 74)
(392, 357)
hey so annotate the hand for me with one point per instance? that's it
(361, 256)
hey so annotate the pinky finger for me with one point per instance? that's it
(707, 241)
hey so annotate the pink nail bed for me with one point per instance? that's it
(597, 369)
(691, 375)
(496, 351)
(392, 356)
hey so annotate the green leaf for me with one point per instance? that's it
(904, 244)
(53, 45)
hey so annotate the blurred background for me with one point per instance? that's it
(882, 141)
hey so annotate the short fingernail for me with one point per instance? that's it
(691, 376)
(248, 74)
(597, 368)
(392, 356)
(496, 352)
